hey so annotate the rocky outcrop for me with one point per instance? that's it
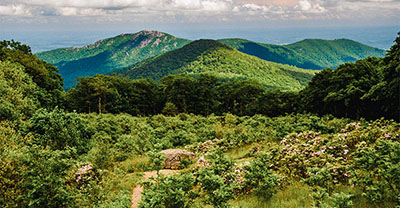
(173, 157)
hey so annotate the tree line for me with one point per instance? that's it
(202, 95)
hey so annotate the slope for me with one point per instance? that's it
(209, 56)
(308, 53)
(110, 54)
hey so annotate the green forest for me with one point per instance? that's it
(308, 53)
(331, 142)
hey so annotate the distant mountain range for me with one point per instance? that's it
(110, 54)
(222, 61)
(308, 53)
(122, 51)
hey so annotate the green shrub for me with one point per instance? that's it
(342, 200)
(260, 177)
(168, 192)
(58, 130)
(45, 177)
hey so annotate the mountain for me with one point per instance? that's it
(110, 54)
(308, 53)
(125, 50)
(223, 61)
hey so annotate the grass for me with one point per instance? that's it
(239, 153)
(135, 164)
(294, 196)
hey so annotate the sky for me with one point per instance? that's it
(224, 13)
(25, 17)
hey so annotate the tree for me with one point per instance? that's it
(342, 91)
(18, 93)
(239, 96)
(206, 100)
(45, 75)
(170, 109)
(179, 90)
(143, 96)
(387, 91)
(92, 93)
(15, 45)
(277, 103)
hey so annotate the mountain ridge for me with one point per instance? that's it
(124, 50)
(109, 54)
(308, 53)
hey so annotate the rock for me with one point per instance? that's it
(173, 157)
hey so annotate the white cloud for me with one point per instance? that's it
(215, 6)
(202, 9)
(305, 5)
(73, 11)
(187, 4)
(15, 10)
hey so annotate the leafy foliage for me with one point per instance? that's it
(113, 94)
(18, 93)
(261, 178)
(169, 192)
(178, 94)
(58, 130)
(27, 83)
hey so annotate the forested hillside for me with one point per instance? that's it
(110, 54)
(222, 61)
(309, 53)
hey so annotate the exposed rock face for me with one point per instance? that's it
(173, 157)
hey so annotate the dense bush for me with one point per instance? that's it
(58, 130)
(260, 177)
(169, 192)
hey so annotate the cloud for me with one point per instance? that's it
(217, 6)
(192, 10)
(187, 4)
(281, 3)
(305, 5)
(15, 10)
(73, 11)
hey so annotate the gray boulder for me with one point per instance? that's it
(173, 157)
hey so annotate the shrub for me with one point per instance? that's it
(170, 109)
(58, 130)
(44, 180)
(260, 177)
(168, 192)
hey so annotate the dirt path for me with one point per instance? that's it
(137, 191)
